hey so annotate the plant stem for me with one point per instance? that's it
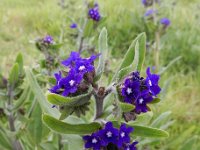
(157, 50)
(99, 98)
(16, 144)
(99, 107)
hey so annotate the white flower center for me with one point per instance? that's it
(150, 84)
(141, 100)
(129, 91)
(122, 134)
(71, 82)
(109, 134)
(94, 140)
(81, 68)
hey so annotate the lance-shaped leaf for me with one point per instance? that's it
(88, 28)
(129, 56)
(125, 107)
(144, 131)
(133, 67)
(66, 128)
(142, 51)
(103, 50)
(14, 75)
(56, 99)
(35, 127)
(22, 98)
(19, 60)
(35, 88)
(155, 100)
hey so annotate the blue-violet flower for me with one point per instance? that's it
(94, 14)
(165, 22)
(73, 25)
(152, 82)
(109, 134)
(93, 141)
(124, 135)
(48, 39)
(131, 146)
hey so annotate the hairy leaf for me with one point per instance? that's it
(66, 128)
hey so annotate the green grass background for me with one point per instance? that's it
(21, 21)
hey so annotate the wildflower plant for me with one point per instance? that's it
(156, 26)
(99, 117)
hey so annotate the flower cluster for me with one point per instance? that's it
(147, 3)
(94, 14)
(165, 22)
(149, 13)
(73, 25)
(139, 91)
(78, 68)
(108, 136)
(48, 39)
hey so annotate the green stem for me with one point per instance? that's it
(16, 144)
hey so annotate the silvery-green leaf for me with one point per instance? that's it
(103, 50)
(66, 128)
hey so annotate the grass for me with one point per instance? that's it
(21, 21)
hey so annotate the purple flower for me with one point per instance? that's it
(165, 22)
(93, 141)
(73, 25)
(131, 146)
(152, 82)
(74, 56)
(81, 65)
(130, 90)
(94, 14)
(149, 12)
(58, 77)
(70, 82)
(142, 100)
(109, 134)
(147, 3)
(124, 135)
(48, 39)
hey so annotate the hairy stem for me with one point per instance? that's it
(16, 144)
(99, 107)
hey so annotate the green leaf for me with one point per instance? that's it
(125, 107)
(19, 60)
(56, 46)
(66, 128)
(88, 28)
(103, 50)
(144, 131)
(133, 67)
(22, 98)
(35, 126)
(156, 100)
(142, 51)
(162, 119)
(4, 141)
(14, 75)
(129, 56)
(46, 107)
(144, 118)
(56, 99)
